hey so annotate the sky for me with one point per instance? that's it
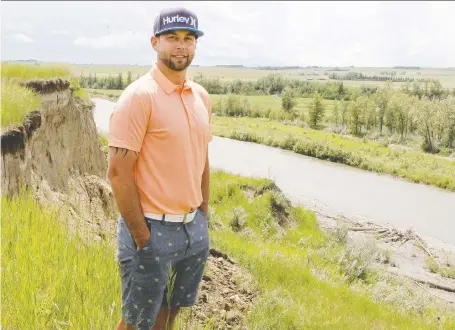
(378, 34)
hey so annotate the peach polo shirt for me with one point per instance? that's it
(169, 127)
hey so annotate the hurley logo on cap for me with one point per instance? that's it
(179, 19)
(176, 19)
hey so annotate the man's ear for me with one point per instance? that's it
(154, 41)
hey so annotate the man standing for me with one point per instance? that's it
(159, 173)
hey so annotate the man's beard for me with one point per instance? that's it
(167, 60)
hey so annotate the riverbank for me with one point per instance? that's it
(356, 152)
(422, 263)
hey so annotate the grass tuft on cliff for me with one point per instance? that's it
(17, 100)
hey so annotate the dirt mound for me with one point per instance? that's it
(47, 86)
(226, 295)
(87, 206)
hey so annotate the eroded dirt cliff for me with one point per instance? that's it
(56, 154)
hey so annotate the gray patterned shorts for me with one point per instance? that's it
(167, 271)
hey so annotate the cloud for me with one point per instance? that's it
(21, 38)
(248, 33)
(60, 32)
(113, 41)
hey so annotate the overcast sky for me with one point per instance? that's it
(247, 33)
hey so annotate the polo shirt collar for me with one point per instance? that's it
(165, 83)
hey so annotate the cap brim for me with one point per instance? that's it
(197, 32)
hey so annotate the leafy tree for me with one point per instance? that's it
(357, 111)
(317, 111)
(336, 114)
(382, 101)
(344, 112)
(287, 101)
(426, 118)
(119, 84)
(435, 89)
(449, 120)
(129, 78)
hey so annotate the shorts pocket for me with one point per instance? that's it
(148, 246)
(202, 213)
(126, 246)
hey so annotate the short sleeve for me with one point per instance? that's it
(129, 121)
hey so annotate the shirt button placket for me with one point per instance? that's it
(185, 104)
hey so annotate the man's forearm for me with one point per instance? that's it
(127, 199)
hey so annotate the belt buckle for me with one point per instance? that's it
(186, 216)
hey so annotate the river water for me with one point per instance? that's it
(334, 189)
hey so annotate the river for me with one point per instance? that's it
(334, 189)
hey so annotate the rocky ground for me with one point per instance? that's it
(404, 254)
(226, 295)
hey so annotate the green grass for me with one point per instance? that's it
(18, 101)
(108, 94)
(28, 72)
(282, 263)
(447, 270)
(356, 152)
(301, 300)
(51, 280)
(270, 106)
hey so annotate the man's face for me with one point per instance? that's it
(175, 49)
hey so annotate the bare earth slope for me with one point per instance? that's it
(56, 154)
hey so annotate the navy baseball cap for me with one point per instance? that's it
(176, 19)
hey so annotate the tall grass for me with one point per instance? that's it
(283, 264)
(356, 152)
(51, 280)
(264, 106)
(27, 72)
(18, 101)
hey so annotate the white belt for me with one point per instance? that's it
(184, 218)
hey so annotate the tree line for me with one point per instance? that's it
(117, 81)
(276, 85)
(361, 76)
(420, 107)
(433, 118)
(386, 111)
(393, 112)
